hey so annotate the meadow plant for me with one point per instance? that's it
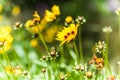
(35, 59)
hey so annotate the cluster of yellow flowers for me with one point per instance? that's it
(5, 38)
(36, 24)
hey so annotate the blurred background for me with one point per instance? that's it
(98, 14)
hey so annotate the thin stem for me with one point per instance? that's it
(77, 55)
(41, 37)
(44, 76)
(119, 25)
(80, 43)
(107, 43)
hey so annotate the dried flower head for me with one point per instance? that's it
(77, 67)
(80, 20)
(100, 47)
(43, 70)
(107, 29)
(88, 74)
(17, 25)
(53, 54)
(25, 73)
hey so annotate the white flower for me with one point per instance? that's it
(107, 29)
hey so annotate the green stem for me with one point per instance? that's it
(119, 25)
(77, 54)
(80, 43)
(41, 37)
(44, 76)
(106, 62)
(107, 43)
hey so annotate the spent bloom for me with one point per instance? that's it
(100, 47)
(5, 38)
(67, 34)
(107, 29)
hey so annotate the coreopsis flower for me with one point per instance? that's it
(36, 17)
(100, 47)
(67, 34)
(55, 10)
(107, 29)
(16, 10)
(68, 19)
(5, 39)
(49, 16)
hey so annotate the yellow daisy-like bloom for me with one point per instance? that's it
(5, 39)
(67, 34)
(1, 8)
(49, 16)
(33, 42)
(56, 10)
(16, 10)
(68, 19)
(36, 17)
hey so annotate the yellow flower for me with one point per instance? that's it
(1, 18)
(5, 39)
(50, 33)
(29, 24)
(56, 10)
(13, 70)
(33, 42)
(68, 19)
(49, 16)
(36, 17)
(67, 34)
(16, 10)
(1, 8)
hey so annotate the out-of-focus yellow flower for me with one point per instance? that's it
(67, 34)
(1, 8)
(68, 19)
(16, 10)
(13, 70)
(33, 42)
(36, 17)
(49, 16)
(56, 10)
(50, 34)
(5, 39)
(0, 18)
(29, 24)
